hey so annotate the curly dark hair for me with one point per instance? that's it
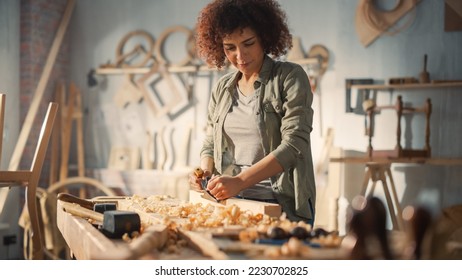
(222, 17)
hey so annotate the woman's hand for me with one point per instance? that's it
(195, 178)
(223, 187)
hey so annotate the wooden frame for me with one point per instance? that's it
(399, 151)
(147, 84)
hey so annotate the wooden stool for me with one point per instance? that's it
(379, 172)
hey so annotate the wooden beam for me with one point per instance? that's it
(270, 209)
(37, 97)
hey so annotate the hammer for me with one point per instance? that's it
(113, 223)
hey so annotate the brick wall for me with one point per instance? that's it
(40, 20)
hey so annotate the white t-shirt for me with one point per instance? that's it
(241, 128)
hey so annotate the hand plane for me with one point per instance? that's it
(203, 181)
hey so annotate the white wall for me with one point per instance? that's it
(98, 26)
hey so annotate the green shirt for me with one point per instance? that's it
(284, 117)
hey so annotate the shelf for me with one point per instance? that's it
(144, 70)
(409, 86)
(408, 160)
(181, 69)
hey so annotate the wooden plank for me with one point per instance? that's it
(203, 243)
(37, 97)
(270, 209)
(56, 137)
(67, 133)
(78, 117)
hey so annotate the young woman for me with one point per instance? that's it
(257, 143)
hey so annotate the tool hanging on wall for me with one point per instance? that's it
(160, 105)
(372, 22)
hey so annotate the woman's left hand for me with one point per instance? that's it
(224, 186)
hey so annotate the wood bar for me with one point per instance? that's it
(270, 209)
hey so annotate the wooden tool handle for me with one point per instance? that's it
(74, 199)
(425, 63)
(77, 210)
(199, 172)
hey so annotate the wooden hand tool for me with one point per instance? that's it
(199, 173)
(100, 207)
(88, 204)
(424, 75)
(114, 223)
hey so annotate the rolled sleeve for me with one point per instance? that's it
(296, 124)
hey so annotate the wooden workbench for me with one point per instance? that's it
(87, 242)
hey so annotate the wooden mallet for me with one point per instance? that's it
(113, 223)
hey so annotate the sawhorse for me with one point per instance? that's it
(378, 172)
